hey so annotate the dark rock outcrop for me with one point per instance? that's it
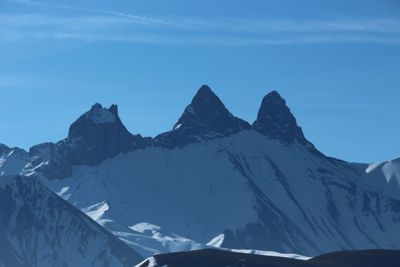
(206, 117)
(97, 135)
(276, 121)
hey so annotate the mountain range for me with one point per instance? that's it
(214, 180)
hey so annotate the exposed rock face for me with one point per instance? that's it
(49, 160)
(12, 160)
(3, 149)
(206, 117)
(97, 135)
(275, 120)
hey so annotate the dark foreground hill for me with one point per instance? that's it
(220, 258)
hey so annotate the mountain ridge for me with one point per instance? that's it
(229, 184)
(99, 133)
(274, 119)
(38, 228)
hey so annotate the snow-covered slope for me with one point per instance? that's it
(256, 192)
(39, 229)
(215, 180)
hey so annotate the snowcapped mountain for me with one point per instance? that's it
(216, 180)
(38, 228)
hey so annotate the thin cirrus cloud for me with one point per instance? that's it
(137, 18)
(113, 26)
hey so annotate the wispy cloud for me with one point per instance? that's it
(89, 25)
(23, 2)
(35, 3)
(137, 18)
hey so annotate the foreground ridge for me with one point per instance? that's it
(219, 258)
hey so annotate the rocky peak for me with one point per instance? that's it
(275, 120)
(207, 111)
(97, 135)
(204, 118)
(96, 123)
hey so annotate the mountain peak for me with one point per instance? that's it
(206, 96)
(275, 120)
(99, 134)
(204, 118)
(205, 104)
(114, 110)
(207, 111)
(97, 115)
(96, 106)
(274, 94)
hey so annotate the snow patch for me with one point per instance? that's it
(391, 170)
(145, 227)
(103, 115)
(97, 211)
(63, 190)
(217, 241)
(271, 253)
(149, 262)
(372, 167)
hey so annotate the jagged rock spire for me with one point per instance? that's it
(275, 120)
(97, 135)
(207, 111)
(95, 120)
(204, 118)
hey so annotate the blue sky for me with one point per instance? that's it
(337, 63)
